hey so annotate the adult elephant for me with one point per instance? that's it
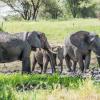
(18, 47)
(78, 48)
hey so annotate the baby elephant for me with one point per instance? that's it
(38, 58)
(43, 58)
(59, 56)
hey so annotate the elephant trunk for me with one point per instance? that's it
(48, 47)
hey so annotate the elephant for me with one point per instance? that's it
(78, 48)
(42, 57)
(59, 50)
(96, 48)
(18, 46)
(37, 58)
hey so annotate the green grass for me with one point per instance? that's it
(16, 84)
(36, 86)
(54, 30)
(20, 81)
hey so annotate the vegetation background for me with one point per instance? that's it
(51, 9)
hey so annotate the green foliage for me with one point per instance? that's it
(53, 8)
(1, 28)
(25, 82)
(15, 86)
(9, 84)
(6, 93)
(81, 8)
(13, 18)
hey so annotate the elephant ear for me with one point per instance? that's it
(80, 39)
(44, 41)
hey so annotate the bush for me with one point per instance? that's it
(1, 30)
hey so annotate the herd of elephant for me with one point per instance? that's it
(77, 49)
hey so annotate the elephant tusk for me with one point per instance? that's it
(53, 51)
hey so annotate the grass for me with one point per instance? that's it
(47, 87)
(22, 82)
(16, 86)
(86, 92)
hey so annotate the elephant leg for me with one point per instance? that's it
(41, 65)
(68, 63)
(52, 61)
(46, 61)
(26, 65)
(87, 61)
(73, 54)
(74, 66)
(52, 67)
(55, 62)
(81, 63)
(34, 63)
(45, 67)
(61, 64)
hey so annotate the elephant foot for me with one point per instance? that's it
(74, 72)
(86, 71)
(40, 72)
(60, 72)
(69, 70)
(44, 73)
(54, 70)
(25, 72)
(59, 64)
(33, 70)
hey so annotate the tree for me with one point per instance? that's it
(53, 8)
(87, 9)
(80, 8)
(28, 9)
(73, 5)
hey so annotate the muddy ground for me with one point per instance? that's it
(17, 67)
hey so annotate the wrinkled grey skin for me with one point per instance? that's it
(96, 48)
(47, 59)
(78, 49)
(18, 47)
(43, 58)
(37, 58)
(59, 55)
